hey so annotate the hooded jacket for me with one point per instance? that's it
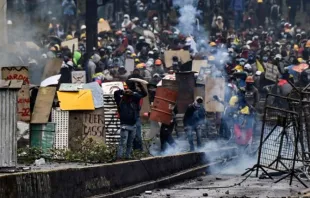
(194, 116)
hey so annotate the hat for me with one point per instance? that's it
(83, 27)
(247, 66)
(156, 74)
(212, 44)
(258, 73)
(101, 20)
(219, 18)
(69, 37)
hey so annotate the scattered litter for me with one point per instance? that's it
(218, 178)
(205, 194)
(148, 192)
(227, 192)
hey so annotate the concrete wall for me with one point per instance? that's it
(96, 180)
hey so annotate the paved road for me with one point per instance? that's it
(252, 187)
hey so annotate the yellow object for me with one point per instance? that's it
(83, 35)
(296, 48)
(133, 55)
(259, 66)
(50, 26)
(211, 58)
(245, 110)
(259, 1)
(101, 20)
(57, 46)
(300, 60)
(141, 65)
(239, 68)
(233, 100)
(212, 44)
(81, 100)
(137, 60)
(69, 37)
(236, 41)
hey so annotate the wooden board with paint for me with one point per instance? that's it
(86, 124)
(182, 55)
(71, 43)
(96, 92)
(110, 87)
(20, 73)
(214, 86)
(78, 77)
(51, 68)
(43, 105)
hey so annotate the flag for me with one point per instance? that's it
(259, 66)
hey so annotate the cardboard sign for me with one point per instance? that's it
(52, 68)
(70, 44)
(70, 87)
(183, 56)
(85, 125)
(43, 105)
(81, 100)
(78, 77)
(96, 92)
(110, 87)
(129, 65)
(20, 73)
(197, 64)
(272, 72)
(104, 26)
(214, 86)
(203, 73)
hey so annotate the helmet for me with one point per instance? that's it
(212, 44)
(69, 37)
(141, 65)
(83, 27)
(137, 60)
(308, 43)
(101, 20)
(158, 62)
(133, 55)
(249, 79)
(233, 100)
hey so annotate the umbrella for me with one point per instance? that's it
(53, 80)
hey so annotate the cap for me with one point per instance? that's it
(69, 37)
(101, 20)
(83, 27)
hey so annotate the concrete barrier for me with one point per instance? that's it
(101, 179)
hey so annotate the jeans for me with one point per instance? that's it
(137, 143)
(238, 19)
(189, 131)
(166, 136)
(127, 136)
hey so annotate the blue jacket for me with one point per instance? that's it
(237, 5)
(194, 116)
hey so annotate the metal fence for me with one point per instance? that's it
(8, 128)
(112, 123)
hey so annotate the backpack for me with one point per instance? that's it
(127, 112)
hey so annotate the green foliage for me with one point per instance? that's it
(88, 151)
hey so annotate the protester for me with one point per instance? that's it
(128, 104)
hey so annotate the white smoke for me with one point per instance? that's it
(188, 17)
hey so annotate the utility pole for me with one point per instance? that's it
(91, 26)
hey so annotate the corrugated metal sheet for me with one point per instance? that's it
(112, 123)
(186, 82)
(8, 127)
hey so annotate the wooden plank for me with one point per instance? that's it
(70, 44)
(183, 56)
(197, 64)
(20, 73)
(43, 105)
(214, 86)
(52, 68)
(104, 26)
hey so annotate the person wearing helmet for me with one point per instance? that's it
(194, 121)
(251, 93)
(158, 68)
